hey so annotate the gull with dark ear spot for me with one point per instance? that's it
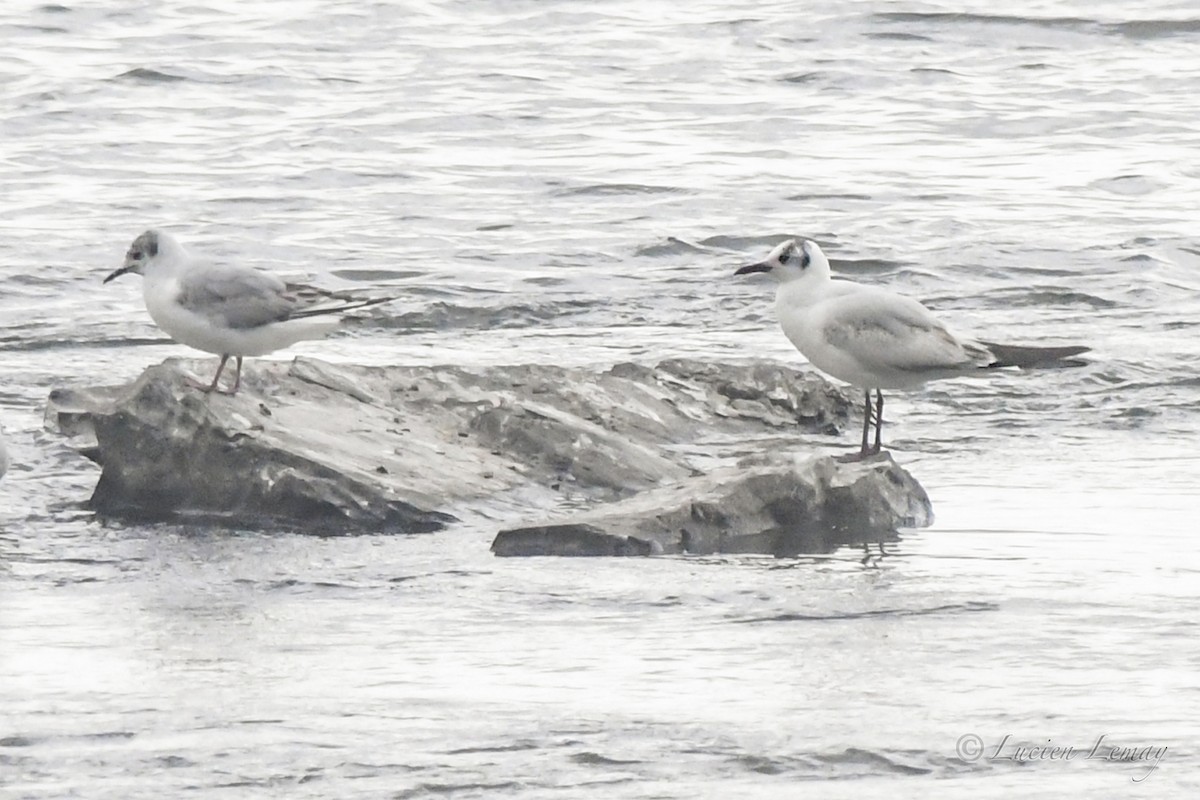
(875, 339)
(230, 310)
(787, 256)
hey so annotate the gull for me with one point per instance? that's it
(228, 309)
(876, 339)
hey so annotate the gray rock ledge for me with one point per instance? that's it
(327, 448)
(787, 507)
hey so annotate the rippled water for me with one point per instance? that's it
(575, 182)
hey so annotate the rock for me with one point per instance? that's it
(332, 448)
(168, 450)
(570, 539)
(563, 444)
(785, 507)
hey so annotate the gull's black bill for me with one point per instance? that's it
(116, 274)
(752, 268)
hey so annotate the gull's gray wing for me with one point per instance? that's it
(887, 332)
(236, 297)
(240, 297)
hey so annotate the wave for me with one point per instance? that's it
(1133, 29)
(621, 188)
(146, 75)
(969, 607)
(447, 316)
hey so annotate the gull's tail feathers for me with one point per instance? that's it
(318, 302)
(1015, 355)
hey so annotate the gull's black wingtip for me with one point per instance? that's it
(1014, 355)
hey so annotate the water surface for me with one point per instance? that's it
(575, 183)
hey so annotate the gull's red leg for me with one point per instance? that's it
(208, 388)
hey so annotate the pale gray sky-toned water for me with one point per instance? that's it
(575, 183)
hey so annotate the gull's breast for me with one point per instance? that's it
(182, 325)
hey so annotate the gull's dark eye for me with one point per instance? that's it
(785, 255)
(136, 255)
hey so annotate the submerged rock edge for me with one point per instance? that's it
(786, 508)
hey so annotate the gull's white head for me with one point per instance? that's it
(792, 261)
(152, 247)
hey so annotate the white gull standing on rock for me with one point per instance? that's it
(873, 338)
(229, 309)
